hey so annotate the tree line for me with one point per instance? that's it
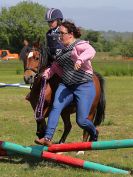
(117, 45)
(26, 21)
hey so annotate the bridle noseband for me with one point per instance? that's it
(31, 69)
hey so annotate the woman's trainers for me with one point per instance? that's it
(43, 141)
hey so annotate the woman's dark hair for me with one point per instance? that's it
(72, 28)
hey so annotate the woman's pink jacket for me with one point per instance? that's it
(82, 53)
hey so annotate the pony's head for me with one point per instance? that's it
(34, 62)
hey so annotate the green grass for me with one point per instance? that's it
(107, 67)
(17, 125)
(114, 68)
(11, 71)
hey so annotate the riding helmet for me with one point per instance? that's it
(53, 14)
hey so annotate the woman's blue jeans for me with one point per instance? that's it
(83, 95)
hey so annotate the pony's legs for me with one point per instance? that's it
(85, 136)
(67, 125)
(41, 126)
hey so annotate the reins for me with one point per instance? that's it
(39, 107)
(40, 104)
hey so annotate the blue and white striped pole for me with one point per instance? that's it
(14, 85)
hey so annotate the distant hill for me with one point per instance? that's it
(113, 35)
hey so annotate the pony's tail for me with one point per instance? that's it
(100, 114)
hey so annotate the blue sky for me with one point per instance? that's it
(103, 15)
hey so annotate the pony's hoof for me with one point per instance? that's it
(40, 134)
(80, 153)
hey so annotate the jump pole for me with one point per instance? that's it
(99, 145)
(80, 146)
(24, 150)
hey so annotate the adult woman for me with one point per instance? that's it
(73, 64)
(54, 18)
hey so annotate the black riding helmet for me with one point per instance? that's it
(53, 14)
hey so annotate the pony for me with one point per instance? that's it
(36, 63)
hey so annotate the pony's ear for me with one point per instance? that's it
(36, 43)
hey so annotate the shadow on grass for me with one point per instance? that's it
(31, 161)
(34, 162)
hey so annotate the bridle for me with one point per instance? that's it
(30, 55)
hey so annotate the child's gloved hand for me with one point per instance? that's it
(46, 73)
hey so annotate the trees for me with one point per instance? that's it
(127, 49)
(25, 20)
(94, 37)
(97, 40)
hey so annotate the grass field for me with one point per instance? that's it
(17, 125)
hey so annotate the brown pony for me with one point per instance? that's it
(35, 65)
